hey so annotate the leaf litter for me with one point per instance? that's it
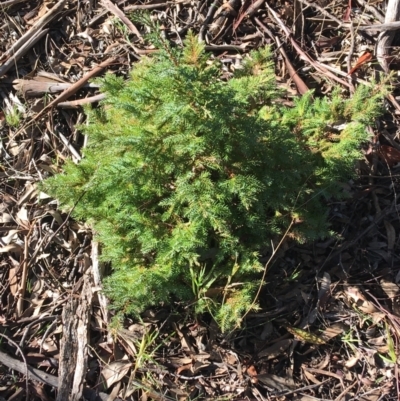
(329, 330)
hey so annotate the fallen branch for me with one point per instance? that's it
(68, 92)
(322, 11)
(303, 55)
(12, 60)
(10, 3)
(32, 373)
(120, 14)
(24, 364)
(36, 27)
(73, 345)
(72, 104)
(43, 377)
(302, 88)
(390, 26)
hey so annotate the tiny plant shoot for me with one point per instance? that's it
(187, 175)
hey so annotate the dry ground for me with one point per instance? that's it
(330, 330)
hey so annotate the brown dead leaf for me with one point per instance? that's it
(184, 367)
(364, 58)
(115, 371)
(389, 155)
(310, 377)
(327, 42)
(390, 289)
(346, 16)
(252, 372)
(326, 373)
(276, 349)
(277, 382)
(363, 304)
(353, 360)
(391, 234)
(333, 331)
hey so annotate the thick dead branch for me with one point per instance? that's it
(82, 324)
(73, 347)
(33, 374)
(98, 272)
(24, 364)
(43, 377)
(39, 85)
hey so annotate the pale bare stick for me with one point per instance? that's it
(10, 3)
(80, 102)
(120, 14)
(24, 277)
(373, 10)
(389, 26)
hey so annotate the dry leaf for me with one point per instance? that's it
(183, 368)
(361, 302)
(22, 217)
(277, 382)
(276, 349)
(115, 371)
(390, 289)
(332, 331)
(10, 237)
(364, 58)
(352, 361)
(252, 372)
(310, 376)
(346, 16)
(389, 155)
(12, 279)
(355, 294)
(327, 42)
(391, 235)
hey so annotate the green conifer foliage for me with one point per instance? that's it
(187, 176)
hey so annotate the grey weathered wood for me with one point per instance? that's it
(386, 37)
(73, 345)
(34, 374)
